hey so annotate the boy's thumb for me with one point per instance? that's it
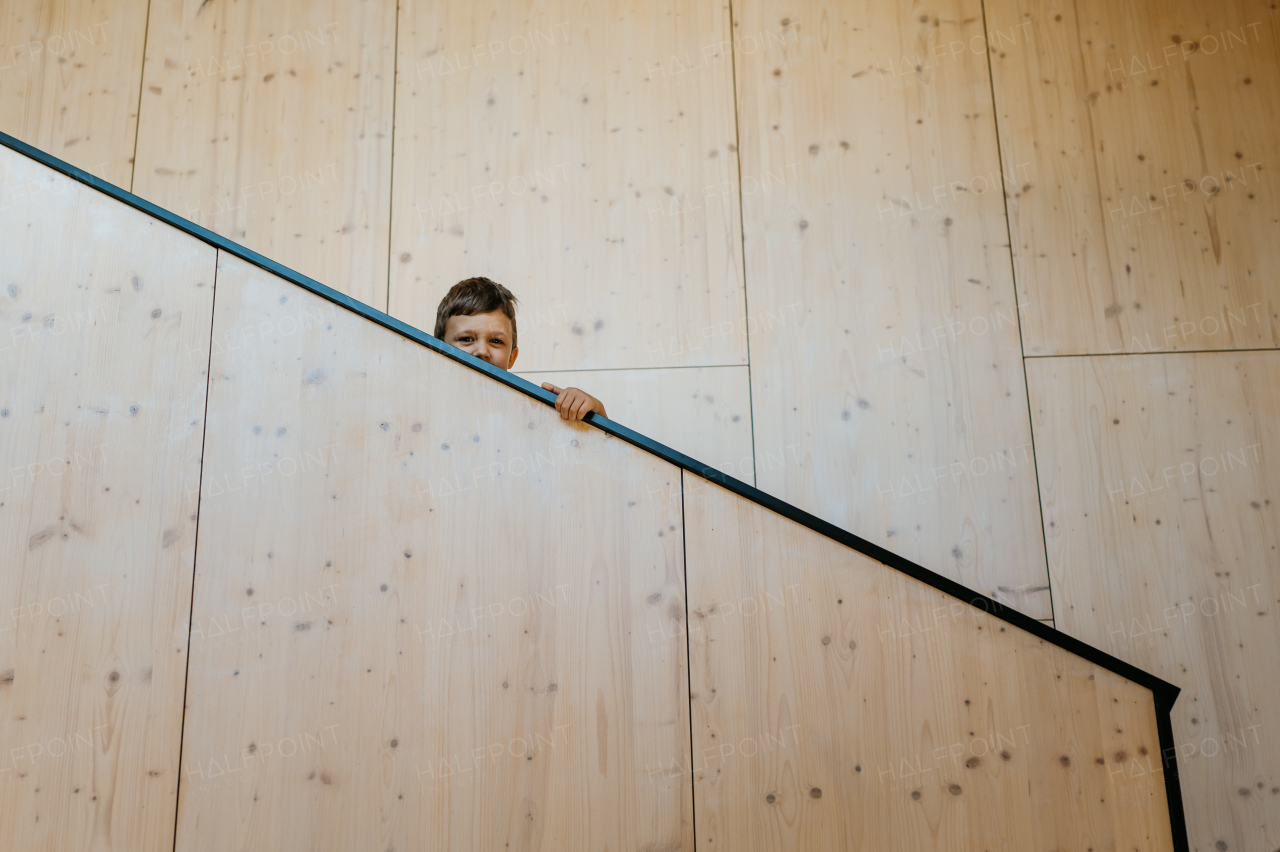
(555, 390)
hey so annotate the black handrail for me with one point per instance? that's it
(1165, 693)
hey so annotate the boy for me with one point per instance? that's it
(479, 317)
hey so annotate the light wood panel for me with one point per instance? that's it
(468, 666)
(69, 75)
(1159, 483)
(900, 372)
(271, 124)
(104, 345)
(1149, 219)
(703, 412)
(583, 155)
(839, 704)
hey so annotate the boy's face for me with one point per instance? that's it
(486, 336)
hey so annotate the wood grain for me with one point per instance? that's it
(584, 156)
(839, 704)
(271, 125)
(104, 344)
(1159, 479)
(894, 361)
(69, 75)
(1148, 221)
(428, 593)
(704, 412)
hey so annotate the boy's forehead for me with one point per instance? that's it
(492, 321)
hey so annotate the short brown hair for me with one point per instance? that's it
(476, 296)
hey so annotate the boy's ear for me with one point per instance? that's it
(511, 362)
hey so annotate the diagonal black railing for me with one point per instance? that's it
(1164, 693)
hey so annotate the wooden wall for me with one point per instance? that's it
(271, 124)
(901, 379)
(365, 597)
(669, 400)
(1147, 226)
(838, 705)
(437, 590)
(1160, 483)
(69, 80)
(103, 364)
(568, 177)
(706, 232)
(1152, 209)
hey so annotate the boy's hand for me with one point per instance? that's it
(574, 404)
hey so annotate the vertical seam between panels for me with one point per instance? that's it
(688, 657)
(742, 241)
(1013, 276)
(391, 192)
(195, 551)
(137, 120)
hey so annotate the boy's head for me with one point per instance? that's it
(479, 316)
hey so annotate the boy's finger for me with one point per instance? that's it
(552, 388)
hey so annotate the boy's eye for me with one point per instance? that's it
(497, 341)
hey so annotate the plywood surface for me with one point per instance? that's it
(421, 597)
(104, 342)
(839, 704)
(1159, 485)
(585, 156)
(271, 125)
(69, 75)
(1149, 222)
(704, 412)
(885, 338)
